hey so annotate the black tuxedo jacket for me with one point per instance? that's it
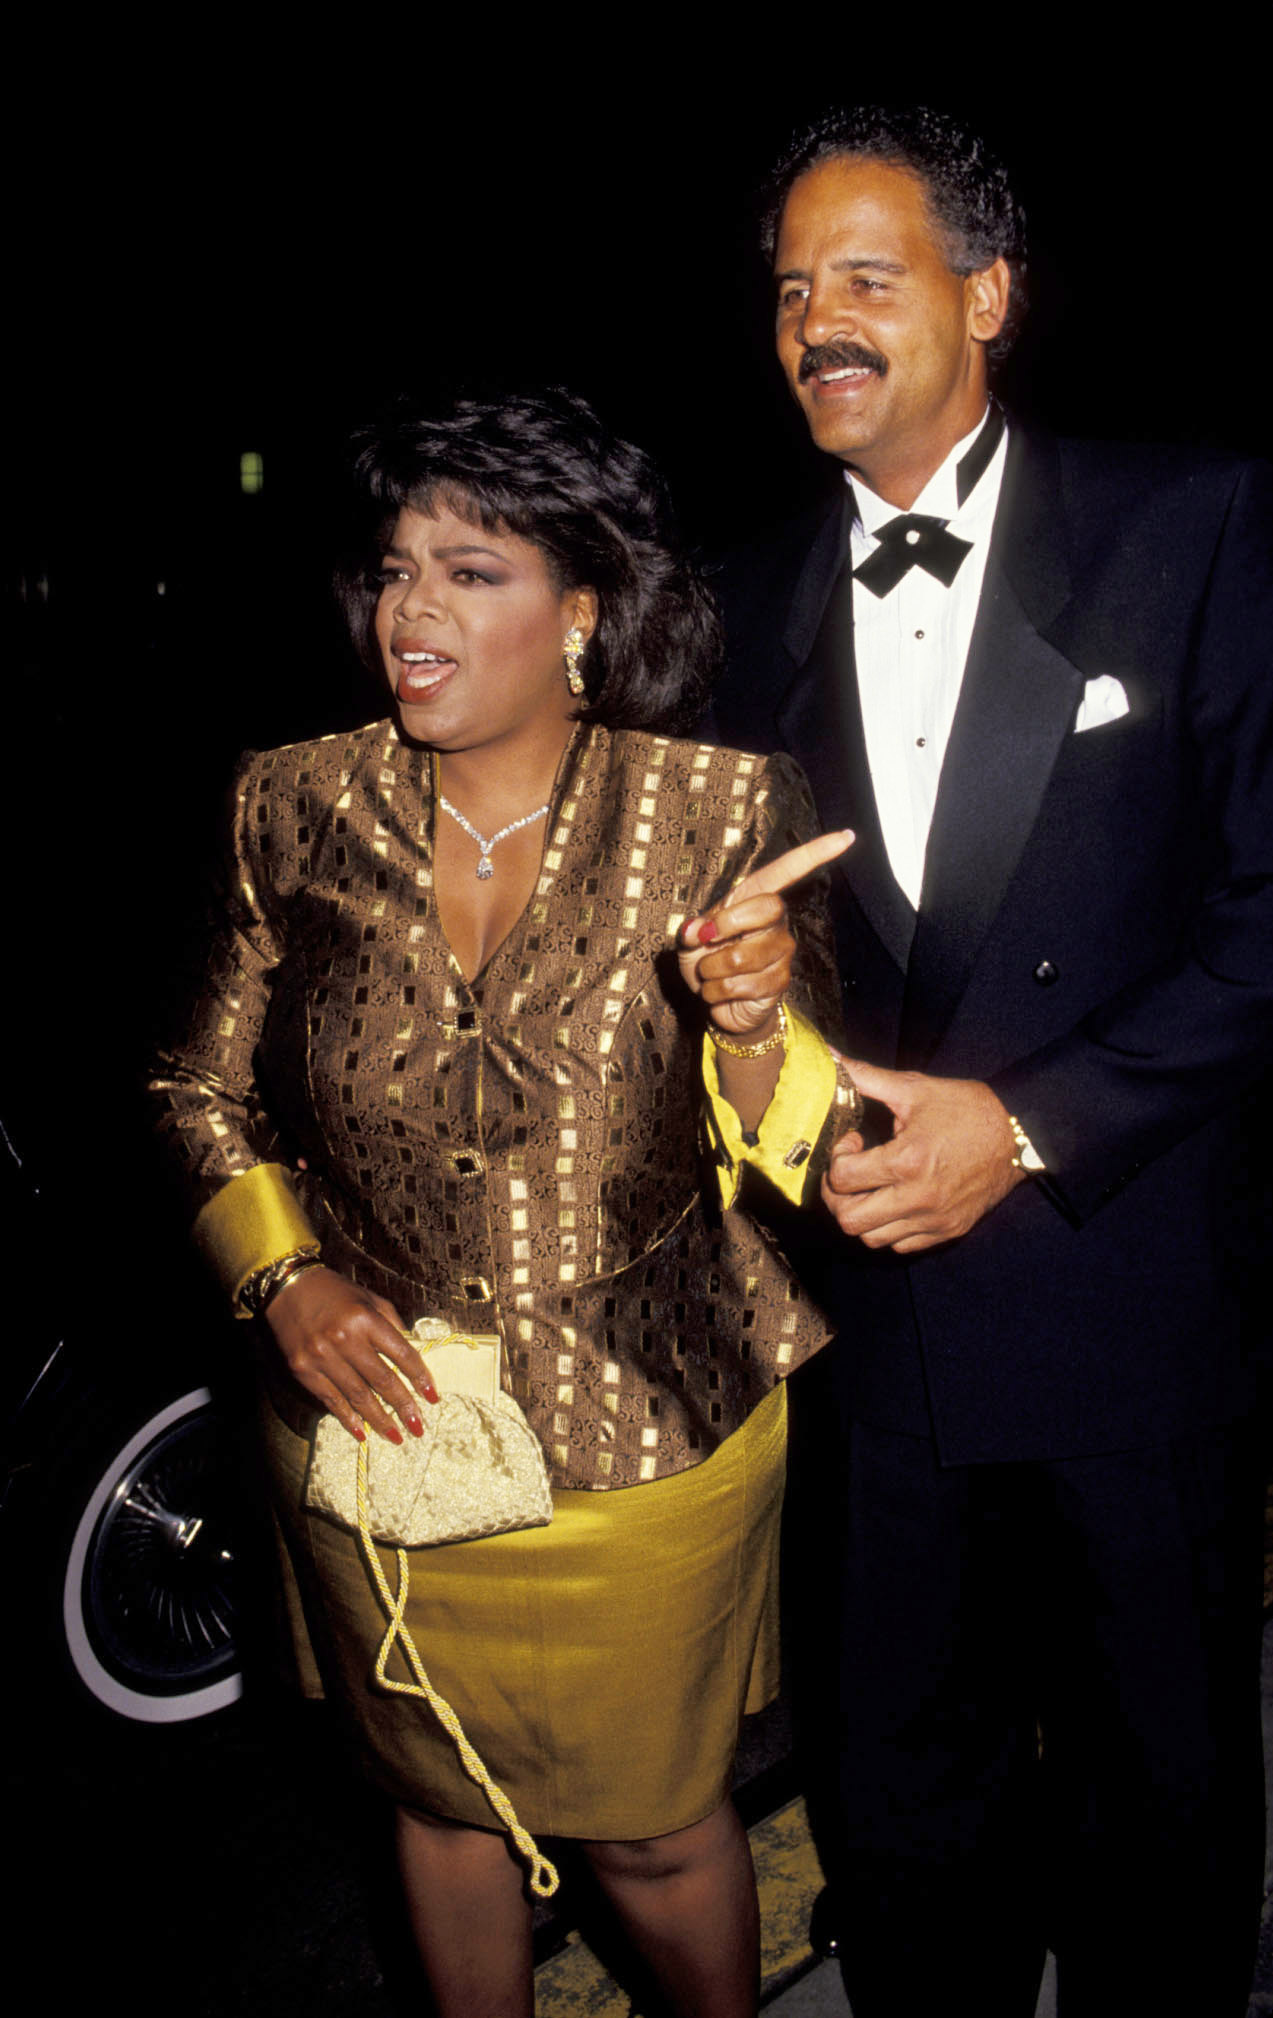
(1094, 938)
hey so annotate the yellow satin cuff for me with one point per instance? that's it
(792, 1121)
(253, 1220)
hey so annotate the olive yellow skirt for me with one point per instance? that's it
(601, 1665)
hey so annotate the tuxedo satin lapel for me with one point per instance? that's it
(1017, 705)
(819, 637)
(820, 722)
(815, 582)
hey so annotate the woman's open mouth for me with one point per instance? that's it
(422, 673)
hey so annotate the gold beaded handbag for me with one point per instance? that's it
(477, 1470)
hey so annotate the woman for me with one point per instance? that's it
(445, 989)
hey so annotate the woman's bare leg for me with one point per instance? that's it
(470, 1917)
(687, 1902)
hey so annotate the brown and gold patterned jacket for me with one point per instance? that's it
(522, 1153)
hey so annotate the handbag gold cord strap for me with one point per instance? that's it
(542, 1874)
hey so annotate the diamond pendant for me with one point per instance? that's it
(485, 869)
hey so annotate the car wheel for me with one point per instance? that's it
(149, 1599)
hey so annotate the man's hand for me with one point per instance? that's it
(949, 1163)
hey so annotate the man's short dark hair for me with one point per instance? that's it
(966, 186)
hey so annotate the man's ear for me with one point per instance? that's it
(988, 295)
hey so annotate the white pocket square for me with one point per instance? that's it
(1104, 700)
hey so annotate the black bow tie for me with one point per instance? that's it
(915, 540)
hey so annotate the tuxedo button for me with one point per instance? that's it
(1045, 974)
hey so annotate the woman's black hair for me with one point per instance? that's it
(545, 469)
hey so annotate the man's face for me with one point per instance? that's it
(883, 346)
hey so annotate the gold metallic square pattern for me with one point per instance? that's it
(523, 1150)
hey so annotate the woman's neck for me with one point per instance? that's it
(488, 844)
(508, 782)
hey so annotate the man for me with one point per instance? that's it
(1035, 678)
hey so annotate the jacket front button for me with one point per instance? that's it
(1045, 974)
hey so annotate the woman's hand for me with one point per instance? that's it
(738, 957)
(333, 1336)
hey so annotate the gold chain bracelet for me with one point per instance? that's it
(775, 1039)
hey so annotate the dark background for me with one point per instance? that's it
(246, 240)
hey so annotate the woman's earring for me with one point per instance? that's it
(572, 652)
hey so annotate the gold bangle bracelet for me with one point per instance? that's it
(265, 1283)
(775, 1039)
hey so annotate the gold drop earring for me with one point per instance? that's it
(572, 652)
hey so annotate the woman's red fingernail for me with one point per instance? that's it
(706, 932)
(414, 1424)
(361, 1435)
(394, 1435)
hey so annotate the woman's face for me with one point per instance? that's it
(470, 629)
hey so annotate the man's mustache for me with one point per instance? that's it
(839, 356)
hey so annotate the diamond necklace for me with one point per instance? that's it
(485, 867)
